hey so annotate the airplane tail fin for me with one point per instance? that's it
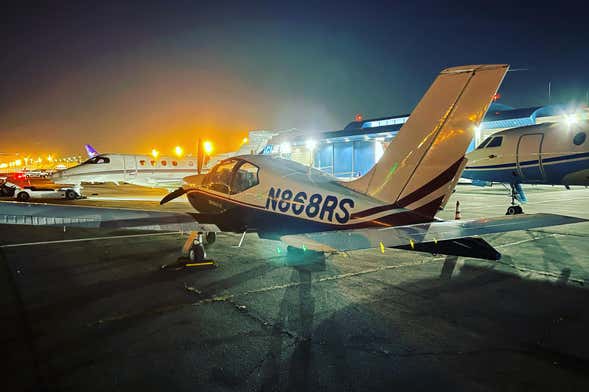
(90, 151)
(421, 165)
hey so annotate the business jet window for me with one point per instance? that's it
(152, 163)
(496, 142)
(579, 138)
(484, 143)
(174, 163)
(142, 162)
(245, 177)
(98, 159)
(164, 163)
(220, 178)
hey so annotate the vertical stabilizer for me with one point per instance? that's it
(90, 151)
(421, 165)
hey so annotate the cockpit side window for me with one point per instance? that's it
(219, 179)
(98, 159)
(484, 143)
(496, 142)
(245, 177)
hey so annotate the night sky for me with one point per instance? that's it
(126, 78)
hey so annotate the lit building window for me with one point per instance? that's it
(382, 123)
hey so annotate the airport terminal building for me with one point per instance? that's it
(352, 151)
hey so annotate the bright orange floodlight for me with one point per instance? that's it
(208, 146)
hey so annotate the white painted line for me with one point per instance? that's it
(88, 239)
(134, 198)
(529, 240)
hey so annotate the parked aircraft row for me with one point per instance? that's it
(393, 205)
(549, 153)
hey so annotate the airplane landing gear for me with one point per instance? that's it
(197, 253)
(515, 209)
(193, 253)
(211, 237)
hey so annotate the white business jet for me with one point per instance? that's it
(165, 172)
(393, 205)
(549, 153)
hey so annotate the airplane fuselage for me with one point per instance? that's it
(144, 170)
(285, 197)
(551, 153)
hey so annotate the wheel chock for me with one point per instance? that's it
(185, 263)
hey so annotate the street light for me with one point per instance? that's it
(178, 151)
(155, 153)
(208, 146)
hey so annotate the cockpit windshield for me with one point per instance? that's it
(97, 159)
(219, 179)
(232, 176)
(484, 143)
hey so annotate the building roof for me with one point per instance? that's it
(498, 116)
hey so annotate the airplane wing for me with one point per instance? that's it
(14, 213)
(433, 232)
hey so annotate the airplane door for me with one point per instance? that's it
(130, 167)
(529, 157)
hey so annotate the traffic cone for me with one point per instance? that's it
(457, 213)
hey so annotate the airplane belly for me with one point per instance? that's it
(507, 175)
(580, 177)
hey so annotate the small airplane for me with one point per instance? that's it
(392, 206)
(146, 170)
(549, 153)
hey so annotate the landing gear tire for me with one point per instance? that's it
(514, 210)
(70, 194)
(211, 237)
(23, 196)
(197, 253)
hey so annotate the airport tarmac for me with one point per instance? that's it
(84, 310)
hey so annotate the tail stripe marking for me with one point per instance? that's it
(418, 194)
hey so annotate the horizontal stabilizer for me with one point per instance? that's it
(345, 240)
(474, 247)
